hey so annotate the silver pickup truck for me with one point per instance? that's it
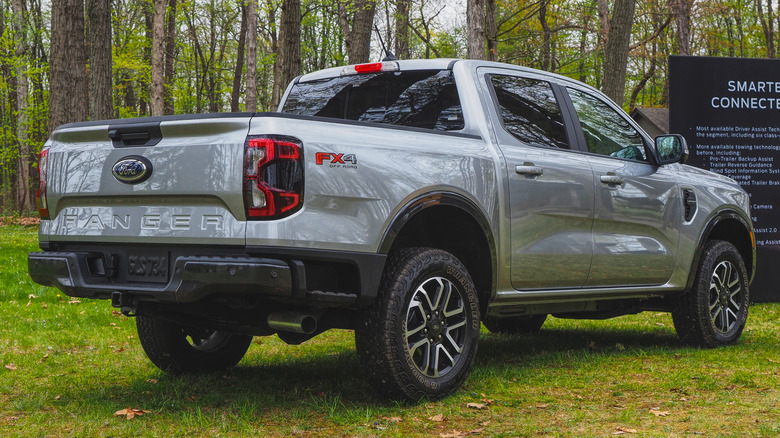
(410, 201)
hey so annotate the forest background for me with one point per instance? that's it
(74, 60)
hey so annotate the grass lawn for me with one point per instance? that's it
(68, 366)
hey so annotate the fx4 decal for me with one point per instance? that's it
(336, 160)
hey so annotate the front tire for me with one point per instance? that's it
(180, 349)
(715, 311)
(418, 340)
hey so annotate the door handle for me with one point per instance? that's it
(529, 170)
(611, 179)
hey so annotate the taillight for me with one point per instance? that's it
(273, 177)
(40, 195)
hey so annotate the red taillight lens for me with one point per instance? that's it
(40, 195)
(374, 67)
(273, 177)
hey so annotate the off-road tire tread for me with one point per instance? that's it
(381, 357)
(691, 315)
(168, 350)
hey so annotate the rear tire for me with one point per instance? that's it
(182, 349)
(715, 310)
(516, 325)
(419, 338)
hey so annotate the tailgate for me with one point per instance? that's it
(190, 192)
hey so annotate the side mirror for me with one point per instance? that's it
(671, 148)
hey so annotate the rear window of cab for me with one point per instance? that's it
(418, 98)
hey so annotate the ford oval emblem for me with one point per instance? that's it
(132, 170)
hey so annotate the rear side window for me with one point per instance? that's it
(530, 111)
(422, 99)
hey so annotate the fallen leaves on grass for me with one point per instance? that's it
(623, 430)
(476, 405)
(453, 434)
(437, 418)
(11, 367)
(659, 413)
(130, 413)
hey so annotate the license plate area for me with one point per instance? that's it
(147, 266)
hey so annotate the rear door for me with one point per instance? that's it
(637, 218)
(550, 186)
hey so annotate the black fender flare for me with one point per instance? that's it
(442, 198)
(722, 215)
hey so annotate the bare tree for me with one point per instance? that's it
(158, 58)
(67, 68)
(616, 50)
(101, 103)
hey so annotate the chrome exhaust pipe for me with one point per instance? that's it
(292, 322)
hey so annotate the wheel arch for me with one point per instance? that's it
(453, 223)
(732, 227)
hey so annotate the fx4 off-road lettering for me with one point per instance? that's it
(335, 159)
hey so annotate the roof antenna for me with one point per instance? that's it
(388, 54)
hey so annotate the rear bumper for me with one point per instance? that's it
(191, 279)
(186, 275)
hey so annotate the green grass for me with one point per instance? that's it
(66, 367)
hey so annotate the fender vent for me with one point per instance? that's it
(689, 204)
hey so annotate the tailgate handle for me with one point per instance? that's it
(142, 134)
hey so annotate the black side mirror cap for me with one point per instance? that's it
(671, 148)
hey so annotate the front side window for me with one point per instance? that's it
(422, 99)
(530, 111)
(606, 131)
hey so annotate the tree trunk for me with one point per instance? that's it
(491, 30)
(402, 8)
(239, 71)
(681, 11)
(357, 19)
(158, 59)
(170, 55)
(251, 56)
(288, 57)
(101, 103)
(362, 26)
(67, 68)
(475, 29)
(546, 51)
(768, 26)
(616, 50)
(24, 202)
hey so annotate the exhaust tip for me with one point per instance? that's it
(292, 322)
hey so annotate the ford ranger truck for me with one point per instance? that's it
(409, 201)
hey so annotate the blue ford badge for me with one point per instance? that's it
(132, 170)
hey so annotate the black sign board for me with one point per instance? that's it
(728, 109)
